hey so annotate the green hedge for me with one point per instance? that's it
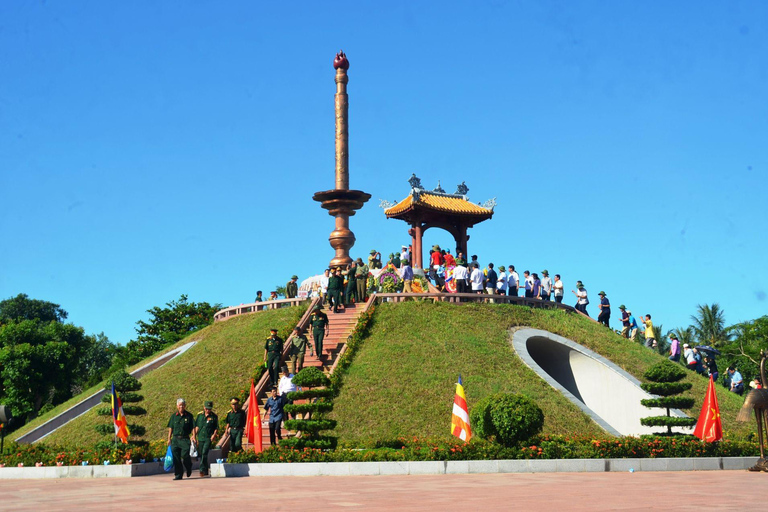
(310, 425)
(310, 377)
(666, 388)
(675, 402)
(310, 393)
(667, 421)
(129, 410)
(314, 408)
(665, 371)
(509, 419)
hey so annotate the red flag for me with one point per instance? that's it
(253, 423)
(709, 427)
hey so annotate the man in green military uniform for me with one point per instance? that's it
(319, 322)
(206, 428)
(335, 287)
(361, 279)
(299, 344)
(180, 426)
(350, 291)
(291, 288)
(235, 425)
(273, 351)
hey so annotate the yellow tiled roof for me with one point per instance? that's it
(438, 203)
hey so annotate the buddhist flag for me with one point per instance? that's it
(118, 417)
(709, 427)
(460, 418)
(253, 423)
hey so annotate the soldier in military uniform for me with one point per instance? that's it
(361, 279)
(350, 291)
(273, 351)
(180, 426)
(299, 344)
(335, 288)
(291, 288)
(206, 428)
(319, 322)
(235, 425)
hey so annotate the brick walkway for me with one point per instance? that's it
(701, 490)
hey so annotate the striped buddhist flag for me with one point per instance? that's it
(460, 418)
(118, 417)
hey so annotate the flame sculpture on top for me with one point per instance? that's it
(341, 202)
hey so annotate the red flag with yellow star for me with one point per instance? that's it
(709, 427)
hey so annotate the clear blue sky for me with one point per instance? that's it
(151, 149)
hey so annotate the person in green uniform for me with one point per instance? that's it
(350, 292)
(319, 322)
(206, 428)
(235, 425)
(335, 287)
(273, 351)
(299, 344)
(361, 278)
(291, 288)
(180, 426)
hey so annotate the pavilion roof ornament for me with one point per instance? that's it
(383, 203)
(415, 182)
(489, 204)
(462, 189)
(438, 188)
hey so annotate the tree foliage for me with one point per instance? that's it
(743, 350)
(21, 307)
(507, 418)
(665, 377)
(709, 325)
(167, 326)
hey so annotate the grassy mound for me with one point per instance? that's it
(217, 367)
(401, 380)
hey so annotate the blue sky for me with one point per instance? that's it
(153, 149)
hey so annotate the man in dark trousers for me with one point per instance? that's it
(335, 287)
(180, 426)
(273, 351)
(235, 425)
(292, 288)
(206, 427)
(319, 322)
(274, 406)
(605, 310)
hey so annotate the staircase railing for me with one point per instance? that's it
(255, 307)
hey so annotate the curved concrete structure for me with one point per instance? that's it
(605, 392)
(92, 401)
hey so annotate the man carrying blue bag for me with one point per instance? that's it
(180, 426)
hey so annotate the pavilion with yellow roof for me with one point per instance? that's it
(424, 209)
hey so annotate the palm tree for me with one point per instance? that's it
(709, 325)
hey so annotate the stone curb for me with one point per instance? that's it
(481, 466)
(454, 467)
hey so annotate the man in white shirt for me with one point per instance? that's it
(558, 289)
(460, 275)
(403, 255)
(324, 285)
(476, 279)
(285, 385)
(513, 281)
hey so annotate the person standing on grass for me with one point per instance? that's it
(206, 428)
(490, 280)
(674, 347)
(320, 327)
(235, 425)
(581, 298)
(650, 335)
(406, 272)
(180, 426)
(476, 278)
(605, 310)
(528, 284)
(625, 323)
(501, 284)
(513, 281)
(461, 275)
(558, 287)
(546, 285)
(292, 288)
(274, 407)
(536, 288)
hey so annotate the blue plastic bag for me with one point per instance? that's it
(168, 461)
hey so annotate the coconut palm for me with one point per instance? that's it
(685, 335)
(709, 325)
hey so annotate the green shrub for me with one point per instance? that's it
(316, 407)
(509, 419)
(310, 393)
(666, 388)
(310, 377)
(125, 387)
(664, 377)
(129, 410)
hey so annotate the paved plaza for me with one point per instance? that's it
(695, 490)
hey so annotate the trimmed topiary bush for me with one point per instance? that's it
(313, 422)
(664, 377)
(508, 418)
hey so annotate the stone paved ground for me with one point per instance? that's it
(702, 490)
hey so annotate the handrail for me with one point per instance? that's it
(261, 386)
(255, 307)
(464, 298)
(368, 304)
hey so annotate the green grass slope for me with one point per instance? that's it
(401, 382)
(217, 367)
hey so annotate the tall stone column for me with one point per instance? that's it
(341, 202)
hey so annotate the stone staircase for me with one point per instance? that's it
(340, 326)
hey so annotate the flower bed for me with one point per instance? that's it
(45, 455)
